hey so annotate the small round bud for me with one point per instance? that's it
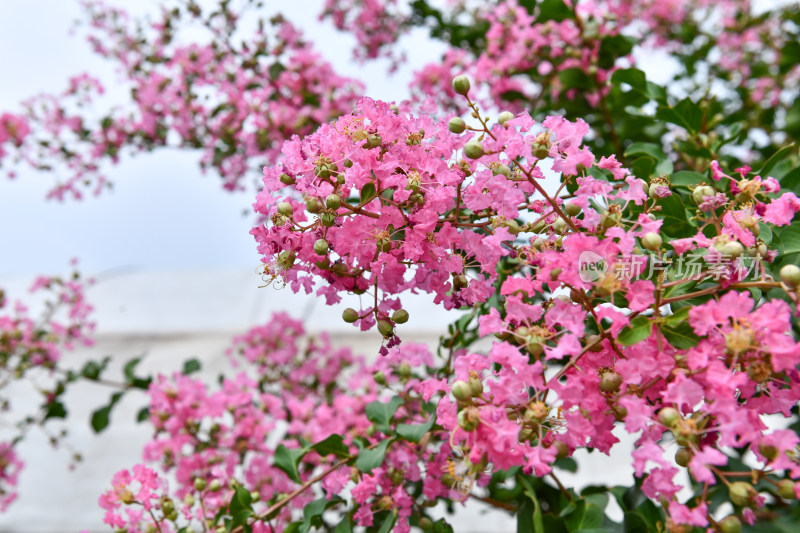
(379, 377)
(786, 489)
(461, 85)
(683, 456)
(321, 247)
(476, 386)
(610, 382)
(571, 209)
(400, 316)
(404, 370)
(469, 418)
(769, 451)
(560, 226)
(255, 496)
(473, 150)
(199, 484)
(374, 140)
(349, 315)
(457, 125)
(426, 524)
(348, 163)
(215, 486)
(651, 241)
(701, 192)
(505, 170)
(730, 524)
(741, 493)
(733, 249)
(327, 219)
(286, 179)
(371, 430)
(313, 205)
(562, 450)
(669, 416)
(461, 390)
(790, 275)
(759, 250)
(333, 201)
(385, 328)
(285, 209)
(504, 117)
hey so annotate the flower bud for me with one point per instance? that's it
(469, 418)
(404, 370)
(733, 249)
(461, 85)
(426, 524)
(790, 275)
(321, 247)
(701, 192)
(683, 456)
(562, 450)
(669, 416)
(286, 179)
(610, 382)
(560, 226)
(374, 141)
(730, 524)
(199, 484)
(348, 163)
(571, 209)
(379, 377)
(313, 205)
(473, 150)
(215, 485)
(769, 451)
(741, 493)
(786, 489)
(349, 315)
(327, 219)
(385, 328)
(285, 209)
(457, 125)
(333, 201)
(504, 117)
(461, 390)
(476, 386)
(400, 316)
(651, 241)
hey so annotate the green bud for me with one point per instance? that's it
(371, 429)
(327, 219)
(457, 125)
(741, 493)
(504, 117)
(461, 85)
(733, 249)
(651, 241)
(215, 486)
(562, 449)
(199, 484)
(699, 193)
(313, 205)
(769, 451)
(790, 275)
(476, 386)
(469, 418)
(786, 489)
(404, 370)
(461, 391)
(286, 179)
(683, 456)
(321, 247)
(560, 226)
(571, 209)
(730, 524)
(610, 382)
(385, 328)
(501, 169)
(400, 316)
(255, 496)
(333, 201)
(669, 416)
(374, 140)
(285, 209)
(379, 377)
(349, 315)
(348, 163)
(426, 524)
(473, 150)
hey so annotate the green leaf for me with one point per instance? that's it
(441, 526)
(191, 366)
(415, 432)
(55, 409)
(381, 413)
(632, 76)
(143, 415)
(535, 519)
(332, 445)
(93, 369)
(639, 330)
(790, 238)
(130, 376)
(241, 508)
(614, 47)
(367, 192)
(555, 10)
(685, 114)
(645, 149)
(674, 212)
(687, 178)
(288, 460)
(101, 417)
(776, 158)
(387, 524)
(372, 458)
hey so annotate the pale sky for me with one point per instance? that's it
(162, 213)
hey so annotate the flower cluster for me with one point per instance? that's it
(235, 102)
